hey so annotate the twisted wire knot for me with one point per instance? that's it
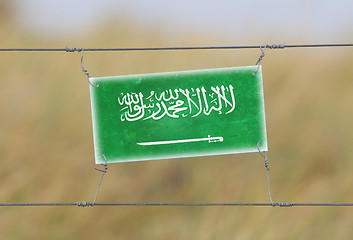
(84, 204)
(68, 49)
(276, 46)
(263, 154)
(283, 204)
(267, 164)
(273, 46)
(85, 71)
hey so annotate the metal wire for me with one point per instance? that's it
(103, 172)
(258, 61)
(82, 67)
(263, 154)
(87, 204)
(272, 46)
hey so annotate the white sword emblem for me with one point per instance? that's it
(209, 139)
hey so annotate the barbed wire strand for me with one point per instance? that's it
(271, 46)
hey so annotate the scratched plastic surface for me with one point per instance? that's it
(178, 114)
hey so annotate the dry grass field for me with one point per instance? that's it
(46, 145)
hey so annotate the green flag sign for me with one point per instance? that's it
(178, 114)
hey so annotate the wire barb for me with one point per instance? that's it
(83, 69)
(103, 172)
(263, 154)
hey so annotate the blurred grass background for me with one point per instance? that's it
(46, 144)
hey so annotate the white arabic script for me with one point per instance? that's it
(177, 103)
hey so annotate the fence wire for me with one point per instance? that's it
(88, 204)
(268, 46)
(93, 204)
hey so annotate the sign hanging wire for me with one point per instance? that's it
(260, 59)
(103, 172)
(263, 154)
(85, 71)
